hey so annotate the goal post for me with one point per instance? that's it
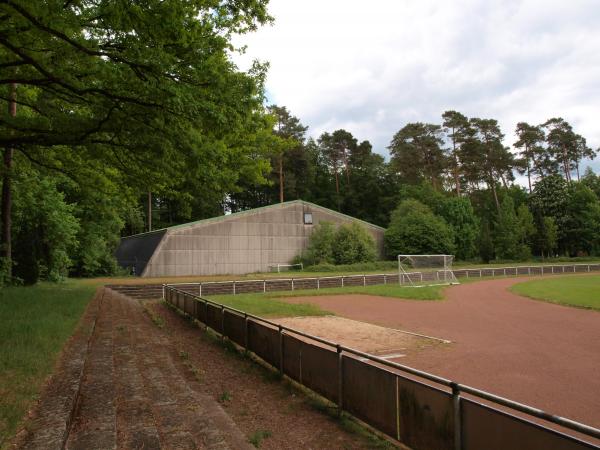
(425, 270)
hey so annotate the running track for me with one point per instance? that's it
(534, 352)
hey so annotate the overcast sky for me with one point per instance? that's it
(371, 67)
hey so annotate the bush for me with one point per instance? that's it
(320, 245)
(349, 244)
(353, 244)
(357, 267)
(414, 229)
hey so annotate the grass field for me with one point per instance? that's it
(35, 322)
(270, 305)
(581, 291)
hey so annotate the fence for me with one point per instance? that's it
(298, 283)
(421, 410)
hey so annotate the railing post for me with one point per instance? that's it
(318, 283)
(264, 286)
(342, 280)
(384, 278)
(222, 322)
(205, 315)
(457, 417)
(280, 350)
(292, 284)
(200, 289)
(234, 287)
(163, 291)
(246, 331)
(364, 280)
(340, 379)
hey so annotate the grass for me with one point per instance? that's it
(270, 305)
(257, 437)
(582, 291)
(35, 323)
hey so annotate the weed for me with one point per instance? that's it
(184, 355)
(257, 437)
(121, 327)
(225, 397)
(156, 319)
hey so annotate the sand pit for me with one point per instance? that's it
(377, 340)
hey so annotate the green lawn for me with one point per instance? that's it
(270, 305)
(35, 322)
(575, 290)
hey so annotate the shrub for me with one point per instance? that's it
(353, 244)
(349, 244)
(414, 229)
(320, 245)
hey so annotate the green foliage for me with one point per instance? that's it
(353, 244)
(45, 229)
(357, 267)
(508, 233)
(320, 244)
(486, 243)
(414, 229)
(460, 216)
(348, 244)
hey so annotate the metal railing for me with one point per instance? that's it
(234, 287)
(199, 309)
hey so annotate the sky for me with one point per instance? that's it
(372, 67)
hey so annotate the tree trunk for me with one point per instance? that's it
(492, 185)
(149, 210)
(7, 191)
(281, 178)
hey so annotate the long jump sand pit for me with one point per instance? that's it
(387, 343)
(534, 352)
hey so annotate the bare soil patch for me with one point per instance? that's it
(538, 353)
(256, 398)
(366, 337)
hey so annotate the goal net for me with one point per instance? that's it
(423, 270)
(285, 267)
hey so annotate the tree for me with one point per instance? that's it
(416, 153)
(488, 159)
(353, 244)
(414, 229)
(486, 243)
(336, 149)
(147, 91)
(530, 139)
(456, 125)
(459, 215)
(562, 143)
(291, 133)
(507, 231)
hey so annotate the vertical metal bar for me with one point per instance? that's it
(246, 331)
(505, 271)
(234, 288)
(205, 315)
(280, 350)
(529, 271)
(163, 291)
(543, 270)
(457, 417)
(292, 284)
(340, 379)
(397, 410)
(264, 286)
(479, 273)
(200, 294)
(318, 283)
(342, 281)
(222, 321)
(364, 280)
(384, 279)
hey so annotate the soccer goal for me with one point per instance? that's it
(285, 267)
(425, 270)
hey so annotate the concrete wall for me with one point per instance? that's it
(242, 243)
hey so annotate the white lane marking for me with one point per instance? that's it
(392, 356)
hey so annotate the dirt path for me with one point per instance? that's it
(534, 352)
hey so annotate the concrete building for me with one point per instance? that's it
(244, 242)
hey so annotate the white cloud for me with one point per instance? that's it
(372, 67)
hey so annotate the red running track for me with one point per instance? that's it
(534, 352)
